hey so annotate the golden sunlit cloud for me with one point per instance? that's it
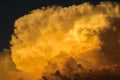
(52, 38)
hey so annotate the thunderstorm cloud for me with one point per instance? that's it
(66, 40)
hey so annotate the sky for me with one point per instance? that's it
(59, 42)
(10, 10)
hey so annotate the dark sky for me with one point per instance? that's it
(10, 10)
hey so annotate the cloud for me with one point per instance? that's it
(57, 37)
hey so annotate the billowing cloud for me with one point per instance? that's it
(65, 38)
